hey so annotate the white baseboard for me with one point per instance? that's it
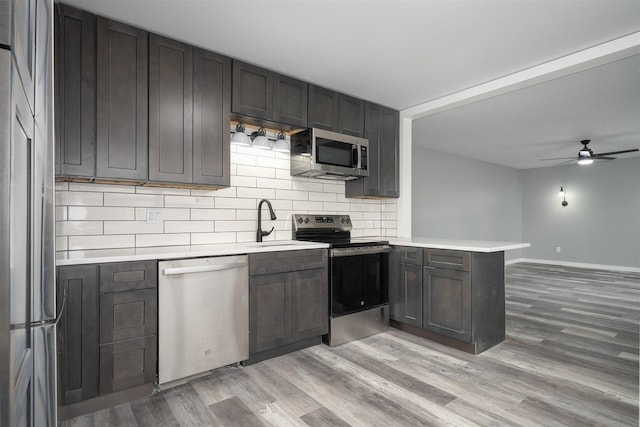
(576, 264)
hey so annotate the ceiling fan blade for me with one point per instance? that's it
(615, 152)
(566, 162)
(599, 157)
(559, 158)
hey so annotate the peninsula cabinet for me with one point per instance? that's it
(122, 103)
(75, 92)
(288, 301)
(382, 131)
(336, 112)
(264, 97)
(462, 296)
(108, 331)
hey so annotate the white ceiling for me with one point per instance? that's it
(404, 53)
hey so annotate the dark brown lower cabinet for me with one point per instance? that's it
(287, 307)
(128, 363)
(453, 297)
(447, 302)
(78, 332)
(108, 339)
(410, 294)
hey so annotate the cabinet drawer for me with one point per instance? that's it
(127, 364)
(409, 255)
(127, 276)
(279, 262)
(452, 260)
(125, 315)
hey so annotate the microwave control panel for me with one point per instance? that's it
(363, 157)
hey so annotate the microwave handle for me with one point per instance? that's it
(354, 156)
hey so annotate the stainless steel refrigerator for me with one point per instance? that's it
(27, 264)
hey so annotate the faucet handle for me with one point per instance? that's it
(266, 233)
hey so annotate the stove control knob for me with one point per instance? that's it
(342, 220)
(306, 220)
(299, 220)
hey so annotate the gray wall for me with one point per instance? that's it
(460, 198)
(601, 225)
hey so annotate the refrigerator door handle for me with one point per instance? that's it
(63, 305)
(25, 374)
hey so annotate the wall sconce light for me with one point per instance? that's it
(260, 139)
(563, 194)
(239, 137)
(281, 143)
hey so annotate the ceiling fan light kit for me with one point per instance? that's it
(586, 156)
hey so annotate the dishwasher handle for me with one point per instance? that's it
(203, 268)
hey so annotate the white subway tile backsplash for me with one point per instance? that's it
(175, 214)
(131, 227)
(62, 243)
(237, 225)
(101, 242)
(292, 195)
(307, 207)
(189, 202)
(210, 238)
(98, 216)
(231, 203)
(323, 197)
(78, 228)
(146, 240)
(96, 213)
(282, 184)
(243, 181)
(146, 200)
(256, 193)
(212, 214)
(61, 213)
(188, 226)
(79, 198)
(257, 171)
(306, 186)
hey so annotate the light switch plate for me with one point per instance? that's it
(154, 216)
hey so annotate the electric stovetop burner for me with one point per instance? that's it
(332, 229)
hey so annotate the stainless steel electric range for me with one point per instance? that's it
(359, 277)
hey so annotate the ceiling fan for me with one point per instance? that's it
(586, 156)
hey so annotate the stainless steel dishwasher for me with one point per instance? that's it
(203, 315)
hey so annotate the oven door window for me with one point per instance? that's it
(358, 283)
(335, 153)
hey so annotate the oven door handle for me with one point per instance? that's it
(367, 250)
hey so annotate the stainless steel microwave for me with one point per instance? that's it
(319, 153)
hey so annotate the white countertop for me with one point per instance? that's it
(458, 245)
(172, 252)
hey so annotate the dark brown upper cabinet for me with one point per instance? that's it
(75, 52)
(264, 97)
(211, 117)
(170, 110)
(122, 103)
(189, 98)
(335, 111)
(381, 129)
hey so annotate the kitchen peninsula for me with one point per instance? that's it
(450, 291)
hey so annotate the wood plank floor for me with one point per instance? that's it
(570, 358)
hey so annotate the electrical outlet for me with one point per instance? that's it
(558, 249)
(154, 216)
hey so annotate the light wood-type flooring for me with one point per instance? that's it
(570, 358)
